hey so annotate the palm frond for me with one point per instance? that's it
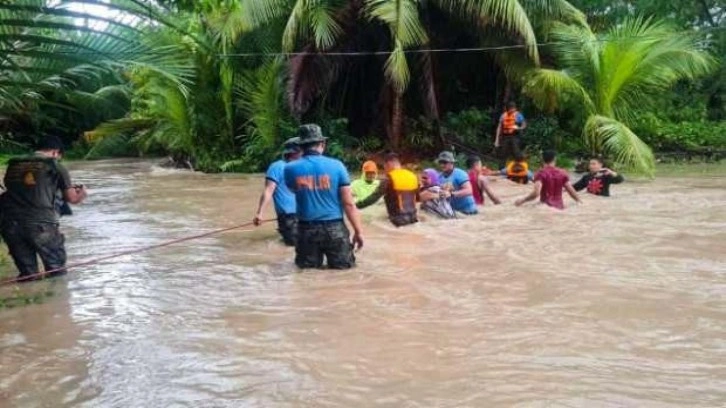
(550, 88)
(402, 19)
(614, 138)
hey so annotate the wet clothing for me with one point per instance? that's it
(283, 198)
(518, 172)
(32, 183)
(476, 191)
(329, 239)
(30, 209)
(553, 181)
(28, 240)
(454, 181)
(316, 181)
(598, 184)
(400, 191)
(440, 207)
(362, 189)
(287, 227)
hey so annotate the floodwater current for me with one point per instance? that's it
(620, 302)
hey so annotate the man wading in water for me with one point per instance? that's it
(322, 190)
(29, 223)
(276, 189)
(548, 184)
(456, 182)
(599, 179)
(400, 189)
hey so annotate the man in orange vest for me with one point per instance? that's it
(400, 190)
(511, 123)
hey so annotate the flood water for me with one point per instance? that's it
(619, 302)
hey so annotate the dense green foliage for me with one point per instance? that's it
(208, 82)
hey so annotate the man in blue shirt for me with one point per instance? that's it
(456, 183)
(322, 191)
(284, 199)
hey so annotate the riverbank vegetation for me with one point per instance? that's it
(218, 84)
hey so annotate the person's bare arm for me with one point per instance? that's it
(265, 198)
(484, 187)
(571, 191)
(523, 125)
(427, 195)
(531, 196)
(351, 212)
(75, 195)
(466, 190)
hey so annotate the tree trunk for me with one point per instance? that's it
(396, 126)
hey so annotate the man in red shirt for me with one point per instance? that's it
(548, 184)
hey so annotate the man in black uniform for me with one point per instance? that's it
(29, 209)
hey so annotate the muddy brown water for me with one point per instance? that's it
(619, 302)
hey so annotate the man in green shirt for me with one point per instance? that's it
(28, 208)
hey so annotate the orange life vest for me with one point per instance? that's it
(509, 122)
(518, 172)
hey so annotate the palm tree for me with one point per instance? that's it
(613, 77)
(60, 66)
(333, 26)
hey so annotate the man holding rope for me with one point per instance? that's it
(29, 223)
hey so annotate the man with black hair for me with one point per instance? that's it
(322, 193)
(30, 213)
(277, 191)
(400, 190)
(479, 182)
(511, 124)
(548, 184)
(599, 179)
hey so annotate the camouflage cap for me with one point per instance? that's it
(291, 145)
(310, 133)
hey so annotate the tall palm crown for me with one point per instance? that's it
(612, 77)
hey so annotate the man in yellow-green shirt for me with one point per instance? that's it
(367, 183)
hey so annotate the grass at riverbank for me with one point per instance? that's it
(691, 169)
(19, 295)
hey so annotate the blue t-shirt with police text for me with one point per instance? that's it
(316, 181)
(284, 198)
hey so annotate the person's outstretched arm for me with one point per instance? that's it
(531, 196)
(351, 212)
(484, 187)
(582, 183)
(571, 191)
(374, 197)
(265, 198)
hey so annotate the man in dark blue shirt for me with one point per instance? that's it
(277, 191)
(322, 193)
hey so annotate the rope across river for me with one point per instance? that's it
(128, 252)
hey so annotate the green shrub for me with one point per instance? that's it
(664, 136)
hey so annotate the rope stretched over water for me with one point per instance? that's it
(128, 252)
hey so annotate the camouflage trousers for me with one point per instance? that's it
(329, 239)
(27, 241)
(287, 227)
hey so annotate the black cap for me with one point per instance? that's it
(51, 142)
